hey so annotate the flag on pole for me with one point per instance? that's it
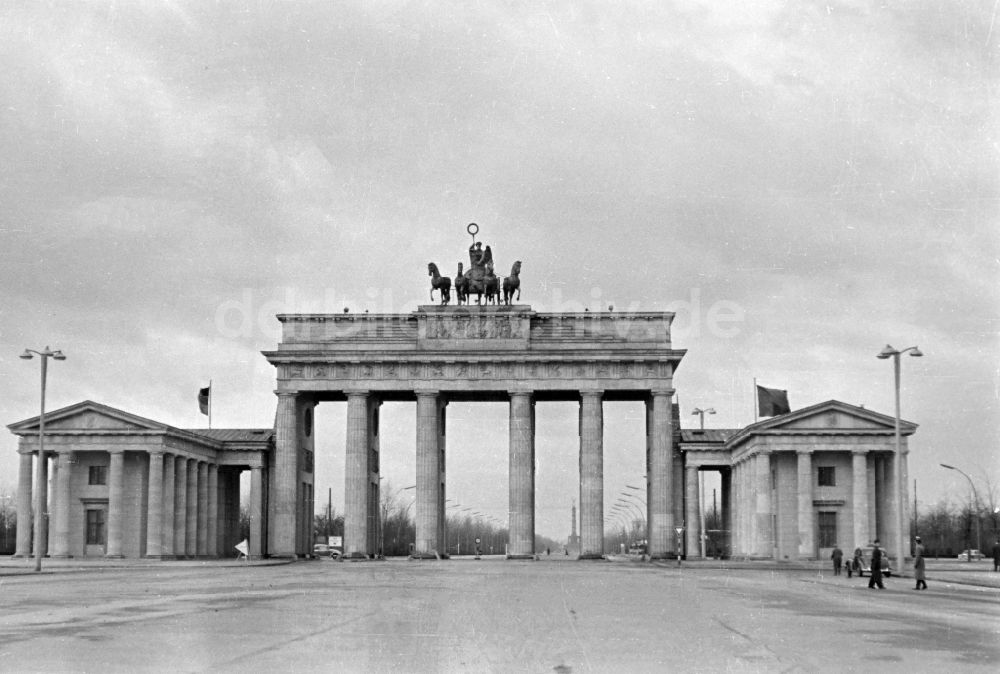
(771, 401)
(204, 399)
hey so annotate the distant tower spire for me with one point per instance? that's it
(574, 520)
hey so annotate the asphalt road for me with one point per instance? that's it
(487, 616)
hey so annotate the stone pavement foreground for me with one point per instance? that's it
(487, 615)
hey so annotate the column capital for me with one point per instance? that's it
(862, 452)
(427, 393)
(520, 392)
(156, 452)
(286, 394)
(591, 393)
(116, 450)
(357, 393)
(807, 452)
(657, 392)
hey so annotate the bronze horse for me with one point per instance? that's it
(461, 286)
(438, 282)
(491, 286)
(512, 283)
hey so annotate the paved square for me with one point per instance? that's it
(489, 615)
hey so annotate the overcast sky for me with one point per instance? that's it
(174, 174)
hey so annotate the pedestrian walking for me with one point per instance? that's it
(876, 576)
(996, 555)
(838, 559)
(918, 565)
(856, 562)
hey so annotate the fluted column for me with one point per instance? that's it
(356, 477)
(154, 507)
(42, 497)
(169, 499)
(807, 538)
(116, 503)
(659, 499)
(859, 498)
(428, 476)
(256, 511)
(201, 535)
(736, 513)
(191, 511)
(213, 511)
(284, 496)
(691, 528)
(25, 519)
(762, 492)
(521, 486)
(180, 506)
(60, 507)
(591, 475)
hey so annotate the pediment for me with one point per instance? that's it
(833, 419)
(831, 416)
(88, 416)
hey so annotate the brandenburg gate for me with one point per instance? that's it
(467, 353)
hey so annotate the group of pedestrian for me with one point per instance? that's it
(875, 577)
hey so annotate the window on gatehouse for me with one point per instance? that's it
(827, 476)
(827, 529)
(97, 475)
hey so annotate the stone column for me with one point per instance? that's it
(116, 503)
(859, 498)
(905, 500)
(659, 499)
(356, 477)
(442, 535)
(284, 495)
(169, 494)
(591, 475)
(521, 487)
(154, 507)
(691, 528)
(892, 519)
(213, 511)
(60, 538)
(762, 491)
(256, 511)
(25, 519)
(180, 506)
(42, 495)
(201, 538)
(726, 496)
(428, 476)
(807, 537)
(191, 510)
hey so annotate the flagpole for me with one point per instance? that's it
(210, 404)
(755, 405)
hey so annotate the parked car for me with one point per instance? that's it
(866, 564)
(324, 551)
(965, 554)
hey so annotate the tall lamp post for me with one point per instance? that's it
(975, 497)
(701, 413)
(889, 352)
(41, 489)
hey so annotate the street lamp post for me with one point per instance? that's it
(889, 352)
(701, 413)
(975, 497)
(41, 489)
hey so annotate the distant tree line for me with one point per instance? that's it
(8, 523)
